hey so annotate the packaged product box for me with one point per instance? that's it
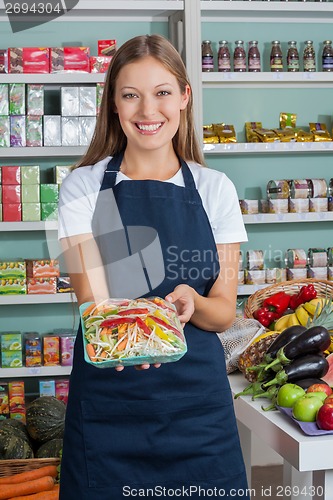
(11, 341)
(49, 193)
(17, 131)
(4, 401)
(62, 389)
(87, 101)
(60, 173)
(30, 193)
(11, 359)
(66, 349)
(70, 131)
(70, 101)
(10, 174)
(40, 286)
(100, 64)
(34, 131)
(17, 101)
(11, 193)
(12, 212)
(4, 99)
(32, 349)
(106, 47)
(29, 60)
(47, 388)
(3, 60)
(31, 212)
(35, 99)
(17, 400)
(0, 212)
(42, 268)
(87, 126)
(64, 285)
(51, 350)
(49, 211)
(99, 95)
(30, 174)
(4, 132)
(63, 59)
(12, 269)
(13, 286)
(52, 130)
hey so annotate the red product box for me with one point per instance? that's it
(29, 60)
(61, 390)
(99, 64)
(3, 61)
(64, 59)
(11, 175)
(106, 47)
(11, 193)
(37, 286)
(17, 400)
(11, 212)
(42, 268)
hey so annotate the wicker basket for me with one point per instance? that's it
(10, 467)
(323, 289)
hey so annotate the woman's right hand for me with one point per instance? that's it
(145, 366)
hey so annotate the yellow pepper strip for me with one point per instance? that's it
(159, 332)
(161, 316)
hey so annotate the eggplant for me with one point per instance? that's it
(306, 382)
(313, 340)
(281, 340)
(308, 366)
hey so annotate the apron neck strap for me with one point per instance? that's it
(113, 167)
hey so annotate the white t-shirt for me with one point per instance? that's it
(79, 191)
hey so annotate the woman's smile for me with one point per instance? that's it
(148, 128)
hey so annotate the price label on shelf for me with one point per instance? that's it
(34, 370)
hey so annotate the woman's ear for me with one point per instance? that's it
(185, 97)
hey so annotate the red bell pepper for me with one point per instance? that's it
(167, 325)
(129, 312)
(142, 325)
(110, 323)
(265, 316)
(278, 302)
(306, 293)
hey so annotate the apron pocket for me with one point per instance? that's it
(158, 441)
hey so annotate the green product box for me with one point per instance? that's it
(61, 172)
(13, 269)
(17, 99)
(13, 286)
(11, 341)
(49, 211)
(49, 193)
(4, 99)
(30, 174)
(4, 132)
(30, 193)
(11, 359)
(34, 131)
(31, 212)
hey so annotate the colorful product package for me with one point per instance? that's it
(70, 101)
(42, 268)
(69, 59)
(62, 389)
(12, 269)
(13, 286)
(99, 95)
(52, 130)
(11, 359)
(11, 193)
(11, 341)
(106, 47)
(12, 212)
(288, 120)
(47, 388)
(35, 99)
(51, 350)
(17, 101)
(17, 131)
(49, 193)
(100, 64)
(61, 172)
(10, 174)
(64, 285)
(250, 131)
(29, 60)
(4, 132)
(3, 60)
(34, 131)
(66, 349)
(70, 131)
(17, 400)
(31, 212)
(320, 132)
(30, 174)
(4, 99)
(37, 286)
(32, 349)
(0, 212)
(30, 193)
(87, 101)
(49, 211)
(87, 126)
(4, 401)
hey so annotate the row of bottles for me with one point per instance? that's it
(251, 61)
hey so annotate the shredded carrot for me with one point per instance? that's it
(91, 352)
(88, 310)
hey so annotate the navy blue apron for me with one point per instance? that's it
(169, 431)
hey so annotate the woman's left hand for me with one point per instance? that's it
(183, 298)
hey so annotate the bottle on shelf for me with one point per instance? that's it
(253, 57)
(309, 57)
(207, 56)
(292, 57)
(239, 57)
(224, 61)
(276, 61)
(327, 56)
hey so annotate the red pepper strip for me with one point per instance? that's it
(166, 325)
(280, 302)
(110, 323)
(138, 310)
(142, 325)
(306, 293)
(265, 316)
(162, 304)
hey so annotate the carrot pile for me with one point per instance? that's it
(37, 484)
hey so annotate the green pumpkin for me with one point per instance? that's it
(13, 447)
(50, 449)
(46, 419)
(17, 427)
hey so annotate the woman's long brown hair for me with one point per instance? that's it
(109, 138)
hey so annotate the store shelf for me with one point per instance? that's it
(268, 148)
(29, 226)
(35, 371)
(75, 78)
(280, 218)
(250, 289)
(263, 12)
(43, 152)
(52, 298)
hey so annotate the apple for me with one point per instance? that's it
(325, 417)
(320, 388)
(321, 395)
(329, 400)
(288, 394)
(305, 408)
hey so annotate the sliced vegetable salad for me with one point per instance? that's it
(131, 332)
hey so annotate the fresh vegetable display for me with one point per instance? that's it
(131, 332)
(37, 484)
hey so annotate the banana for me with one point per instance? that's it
(312, 305)
(302, 315)
(293, 320)
(282, 323)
